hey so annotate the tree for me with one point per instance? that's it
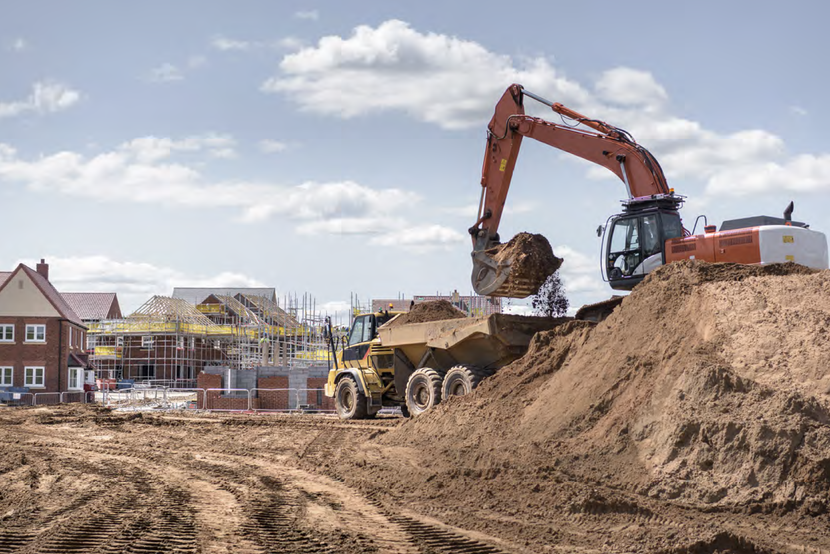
(551, 301)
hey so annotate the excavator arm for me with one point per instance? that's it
(595, 141)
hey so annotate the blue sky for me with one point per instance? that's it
(335, 147)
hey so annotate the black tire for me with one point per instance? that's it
(404, 410)
(349, 401)
(423, 390)
(461, 380)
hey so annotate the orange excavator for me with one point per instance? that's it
(649, 231)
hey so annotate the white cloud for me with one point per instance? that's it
(227, 44)
(470, 210)
(166, 73)
(432, 77)
(804, 173)
(272, 146)
(799, 111)
(455, 83)
(581, 274)
(135, 282)
(148, 150)
(19, 45)
(46, 97)
(145, 170)
(312, 15)
(291, 43)
(420, 239)
(630, 87)
(517, 309)
(195, 62)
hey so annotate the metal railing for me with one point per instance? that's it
(284, 400)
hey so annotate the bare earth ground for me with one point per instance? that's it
(695, 419)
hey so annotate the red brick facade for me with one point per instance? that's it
(27, 291)
(52, 355)
(315, 396)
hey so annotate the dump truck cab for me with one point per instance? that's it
(363, 370)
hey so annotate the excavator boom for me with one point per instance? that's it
(595, 141)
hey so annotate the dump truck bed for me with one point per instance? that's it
(487, 341)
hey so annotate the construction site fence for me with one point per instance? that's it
(255, 400)
(51, 398)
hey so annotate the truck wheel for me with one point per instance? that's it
(461, 380)
(423, 390)
(349, 401)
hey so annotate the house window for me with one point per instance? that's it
(6, 333)
(75, 378)
(146, 342)
(36, 333)
(71, 337)
(119, 341)
(147, 371)
(6, 374)
(34, 377)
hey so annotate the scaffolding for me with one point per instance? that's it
(170, 339)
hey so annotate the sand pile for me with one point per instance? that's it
(435, 310)
(707, 387)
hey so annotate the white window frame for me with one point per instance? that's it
(79, 376)
(3, 328)
(147, 341)
(34, 383)
(35, 327)
(71, 337)
(6, 371)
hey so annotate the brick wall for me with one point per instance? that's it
(216, 400)
(273, 400)
(52, 355)
(316, 399)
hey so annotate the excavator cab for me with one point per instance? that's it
(635, 244)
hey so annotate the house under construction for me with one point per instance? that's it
(173, 339)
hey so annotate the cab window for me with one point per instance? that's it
(651, 235)
(358, 325)
(625, 235)
(363, 329)
(672, 226)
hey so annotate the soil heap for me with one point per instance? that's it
(434, 310)
(709, 388)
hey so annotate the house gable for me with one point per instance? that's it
(21, 297)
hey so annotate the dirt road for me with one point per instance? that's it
(76, 479)
(84, 479)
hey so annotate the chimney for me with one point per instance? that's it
(43, 269)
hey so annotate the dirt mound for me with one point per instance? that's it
(435, 310)
(707, 387)
(532, 256)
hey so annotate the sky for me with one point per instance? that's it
(334, 148)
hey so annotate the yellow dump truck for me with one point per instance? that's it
(415, 365)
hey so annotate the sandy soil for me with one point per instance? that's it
(435, 310)
(696, 418)
(532, 257)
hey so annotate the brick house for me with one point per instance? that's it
(42, 340)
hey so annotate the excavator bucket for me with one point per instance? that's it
(515, 269)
